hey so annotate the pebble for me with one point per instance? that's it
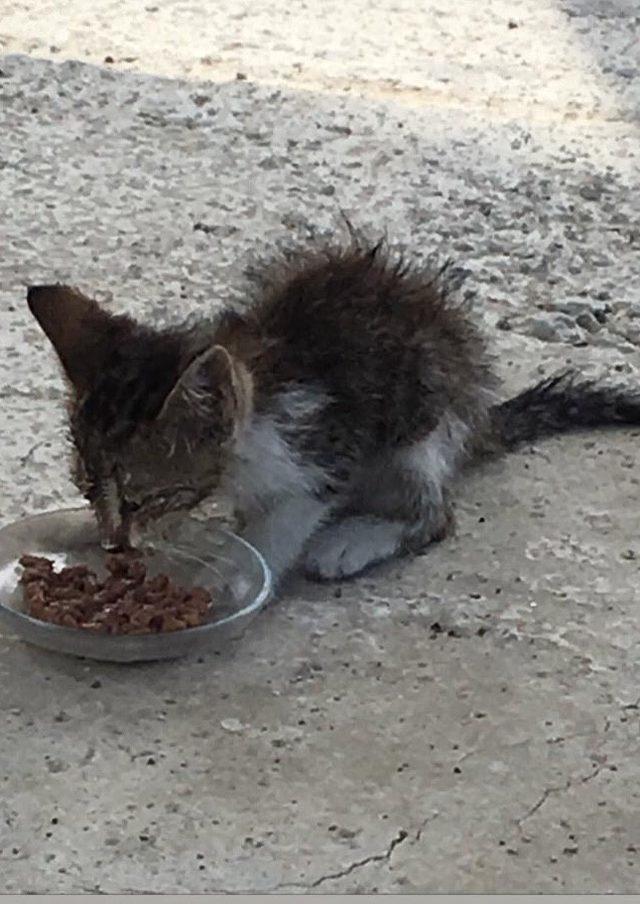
(588, 322)
(591, 191)
(234, 726)
(551, 328)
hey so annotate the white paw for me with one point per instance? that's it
(345, 549)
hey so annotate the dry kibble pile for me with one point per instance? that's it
(126, 601)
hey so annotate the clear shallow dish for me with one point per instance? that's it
(197, 553)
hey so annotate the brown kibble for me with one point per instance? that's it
(159, 583)
(170, 623)
(137, 572)
(125, 602)
(36, 564)
(71, 573)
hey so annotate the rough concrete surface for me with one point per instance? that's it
(466, 721)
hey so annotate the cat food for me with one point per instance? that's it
(126, 601)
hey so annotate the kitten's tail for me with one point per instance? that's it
(561, 404)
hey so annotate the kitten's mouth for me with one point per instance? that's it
(127, 533)
(108, 546)
(120, 539)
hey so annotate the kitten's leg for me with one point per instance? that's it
(399, 505)
(282, 532)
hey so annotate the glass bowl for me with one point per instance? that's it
(196, 553)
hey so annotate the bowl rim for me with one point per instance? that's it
(63, 631)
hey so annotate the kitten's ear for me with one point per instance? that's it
(215, 391)
(81, 332)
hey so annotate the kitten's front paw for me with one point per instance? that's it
(332, 561)
(345, 549)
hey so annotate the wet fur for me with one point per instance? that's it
(335, 412)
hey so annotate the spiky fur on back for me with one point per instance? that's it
(391, 348)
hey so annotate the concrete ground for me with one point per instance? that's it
(467, 721)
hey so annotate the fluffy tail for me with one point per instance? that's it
(561, 404)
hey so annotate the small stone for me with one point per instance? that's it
(232, 725)
(591, 191)
(269, 163)
(552, 328)
(588, 322)
(109, 59)
(542, 328)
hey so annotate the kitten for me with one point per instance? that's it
(336, 411)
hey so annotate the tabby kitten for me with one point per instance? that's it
(335, 412)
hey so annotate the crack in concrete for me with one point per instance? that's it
(383, 857)
(546, 794)
(425, 822)
(357, 864)
(25, 458)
